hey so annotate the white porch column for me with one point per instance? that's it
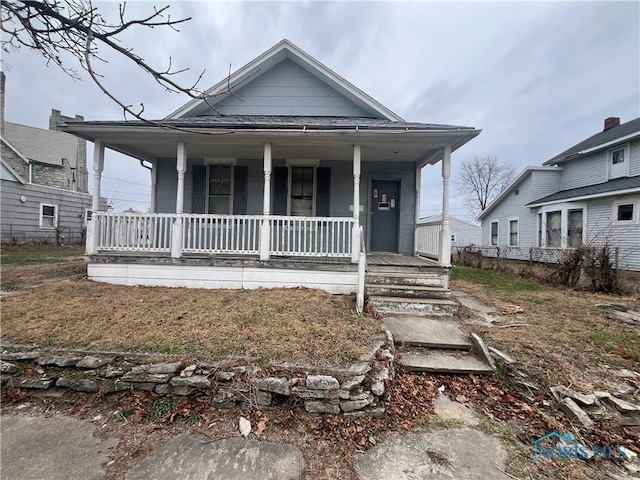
(265, 226)
(444, 255)
(93, 230)
(355, 235)
(176, 233)
(417, 208)
(154, 187)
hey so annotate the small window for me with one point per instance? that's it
(513, 233)
(539, 229)
(625, 212)
(494, 233)
(554, 229)
(219, 189)
(48, 216)
(618, 162)
(574, 228)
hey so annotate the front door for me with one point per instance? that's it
(385, 205)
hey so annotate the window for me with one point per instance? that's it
(618, 162)
(219, 189)
(574, 228)
(539, 229)
(513, 233)
(554, 229)
(302, 191)
(494, 233)
(624, 212)
(48, 216)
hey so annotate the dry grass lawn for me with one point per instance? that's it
(277, 324)
(566, 338)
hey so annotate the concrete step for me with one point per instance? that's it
(408, 291)
(442, 362)
(420, 331)
(417, 279)
(429, 306)
(406, 269)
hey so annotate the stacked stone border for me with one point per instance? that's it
(355, 390)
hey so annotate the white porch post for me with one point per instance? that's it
(176, 233)
(265, 226)
(417, 208)
(444, 255)
(355, 235)
(93, 230)
(154, 187)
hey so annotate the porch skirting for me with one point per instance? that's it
(335, 278)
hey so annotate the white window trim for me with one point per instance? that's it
(614, 213)
(222, 162)
(517, 220)
(303, 163)
(563, 208)
(627, 152)
(497, 233)
(55, 216)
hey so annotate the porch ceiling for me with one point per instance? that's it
(152, 143)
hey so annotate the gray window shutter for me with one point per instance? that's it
(323, 191)
(280, 190)
(199, 175)
(240, 176)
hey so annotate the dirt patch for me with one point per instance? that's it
(291, 325)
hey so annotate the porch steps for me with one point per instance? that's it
(415, 278)
(408, 291)
(428, 306)
(434, 345)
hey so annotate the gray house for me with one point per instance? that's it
(586, 195)
(285, 175)
(44, 177)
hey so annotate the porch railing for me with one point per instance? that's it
(234, 234)
(428, 239)
(311, 236)
(231, 234)
(134, 232)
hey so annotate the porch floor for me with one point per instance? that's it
(396, 260)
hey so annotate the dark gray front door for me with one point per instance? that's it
(385, 205)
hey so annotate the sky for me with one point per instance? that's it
(536, 77)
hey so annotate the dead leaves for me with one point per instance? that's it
(511, 309)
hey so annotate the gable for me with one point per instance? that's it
(287, 89)
(307, 88)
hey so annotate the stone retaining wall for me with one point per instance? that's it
(352, 391)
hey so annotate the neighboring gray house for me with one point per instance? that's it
(294, 175)
(588, 194)
(44, 195)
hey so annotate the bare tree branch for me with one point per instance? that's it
(482, 180)
(57, 28)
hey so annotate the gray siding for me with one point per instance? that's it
(634, 167)
(545, 182)
(601, 230)
(513, 206)
(588, 170)
(594, 168)
(341, 190)
(21, 220)
(288, 89)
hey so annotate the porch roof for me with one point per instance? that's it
(242, 136)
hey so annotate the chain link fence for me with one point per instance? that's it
(596, 267)
(14, 235)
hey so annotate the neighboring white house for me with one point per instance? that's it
(587, 195)
(296, 163)
(462, 233)
(44, 196)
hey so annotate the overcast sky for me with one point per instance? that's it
(536, 77)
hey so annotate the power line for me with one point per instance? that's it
(126, 181)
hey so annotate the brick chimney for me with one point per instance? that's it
(611, 122)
